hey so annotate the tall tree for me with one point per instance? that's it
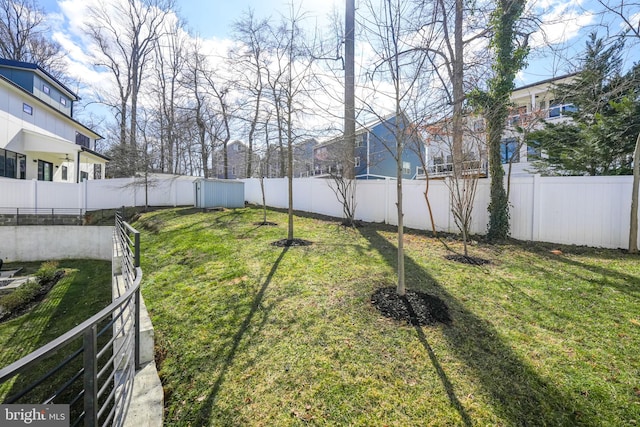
(170, 63)
(605, 117)
(510, 50)
(125, 33)
(24, 36)
(626, 12)
(251, 61)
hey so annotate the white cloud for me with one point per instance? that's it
(561, 21)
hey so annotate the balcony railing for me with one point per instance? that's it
(552, 113)
(470, 167)
(91, 367)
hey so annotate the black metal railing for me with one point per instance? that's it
(91, 367)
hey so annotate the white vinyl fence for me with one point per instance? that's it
(156, 190)
(591, 211)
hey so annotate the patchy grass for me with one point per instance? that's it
(252, 334)
(84, 290)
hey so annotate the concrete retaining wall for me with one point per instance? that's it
(41, 243)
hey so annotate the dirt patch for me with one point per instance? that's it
(415, 307)
(466, 259)
(265, 223)
(293, 242)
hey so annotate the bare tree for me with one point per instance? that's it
(125, 34)
(24, 36)
(251, 62)
(294, 85)
(403, 66)
(170, 65)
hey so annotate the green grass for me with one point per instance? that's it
(252, 334)
(82, 292)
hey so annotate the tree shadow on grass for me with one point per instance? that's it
(622, 281)
(517, 393)
(204, 416)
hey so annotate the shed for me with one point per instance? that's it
(218, 193)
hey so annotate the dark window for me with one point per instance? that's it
(45, 171)
(12, 165)
(97, 171)
(509, 151)
(83, 140)
(27, 109)
(84, 176)
(64, 173)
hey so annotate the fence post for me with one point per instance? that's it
(90, 344)
(137, 330)
(535, 216)
(136, 248)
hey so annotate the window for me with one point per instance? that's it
(27, 109)
(45, 171)
(83, 140)
(46, 89)
(97, 171)
(406, 168)
(356, 162)
(63, 101)
(84, 176)
(360, 140)
(64, 173)
(12, 165)
(509, 151)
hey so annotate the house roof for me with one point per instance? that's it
(9, 63)
(55, 110)
(360, 129)
(550, 80)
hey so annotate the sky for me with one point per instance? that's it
(566, 23)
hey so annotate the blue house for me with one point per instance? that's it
(375, 152)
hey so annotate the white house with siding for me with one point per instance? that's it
(39, 138)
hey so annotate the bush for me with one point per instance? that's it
(20, 297)
(46, 272)
(46, 276)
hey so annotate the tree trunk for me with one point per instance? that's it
(426, 198)
(633, 229)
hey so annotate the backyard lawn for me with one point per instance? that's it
(248, 333)
(84, 290)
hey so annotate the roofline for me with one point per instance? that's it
(23, 90)
(95, 153)
(367, 127)
(549, 80)
(35, 67)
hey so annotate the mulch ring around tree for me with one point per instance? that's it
(286, 243)
(415, 307)
(466, 259)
